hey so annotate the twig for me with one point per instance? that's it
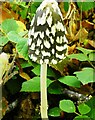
(91, 64)
(12, 106)
(9, 70)
(10, 76)
(75, 95)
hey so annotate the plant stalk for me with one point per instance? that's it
(43, 87)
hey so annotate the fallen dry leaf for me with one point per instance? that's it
(81, 34)
(92, 43)
(6, 14)
(88, 25)
(71, 49)
(24, 75)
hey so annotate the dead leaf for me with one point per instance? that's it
(35, 95)
(88, 25)
(4, 105)
(71, 49)
(4, 61)
(61, 66)
(21, 25)
(69, 37)
(24, 75)
(81, 34)
(61, 6)
(6, 14)
(92, 43)
(86, 89)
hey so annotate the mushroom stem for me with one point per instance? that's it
(43, 87)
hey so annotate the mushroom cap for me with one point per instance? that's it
(47, 42)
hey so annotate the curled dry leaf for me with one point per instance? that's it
(24, 75)
(88, 25)
(4, 105)
(3, 64)
(6, 13)
(81, 34)
(85, 89)
(72, 22)
(71, 49)
(61, 6)
(92, 43)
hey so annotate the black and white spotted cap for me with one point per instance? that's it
(47, 42)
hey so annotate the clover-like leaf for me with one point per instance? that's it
(83, 108)
(79, 56)
(82, 117)
(70, 81)
(86, 75)
(21, 26)
(3, 40)
(14, 36)
(55, 88)
(9, 25)
(67, 106)
(33, 85)
(91, 104)
(84, 50)
(92, 56)
(54, 112)
(22, 48)
(86, 5)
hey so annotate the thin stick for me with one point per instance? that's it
(43, 86)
